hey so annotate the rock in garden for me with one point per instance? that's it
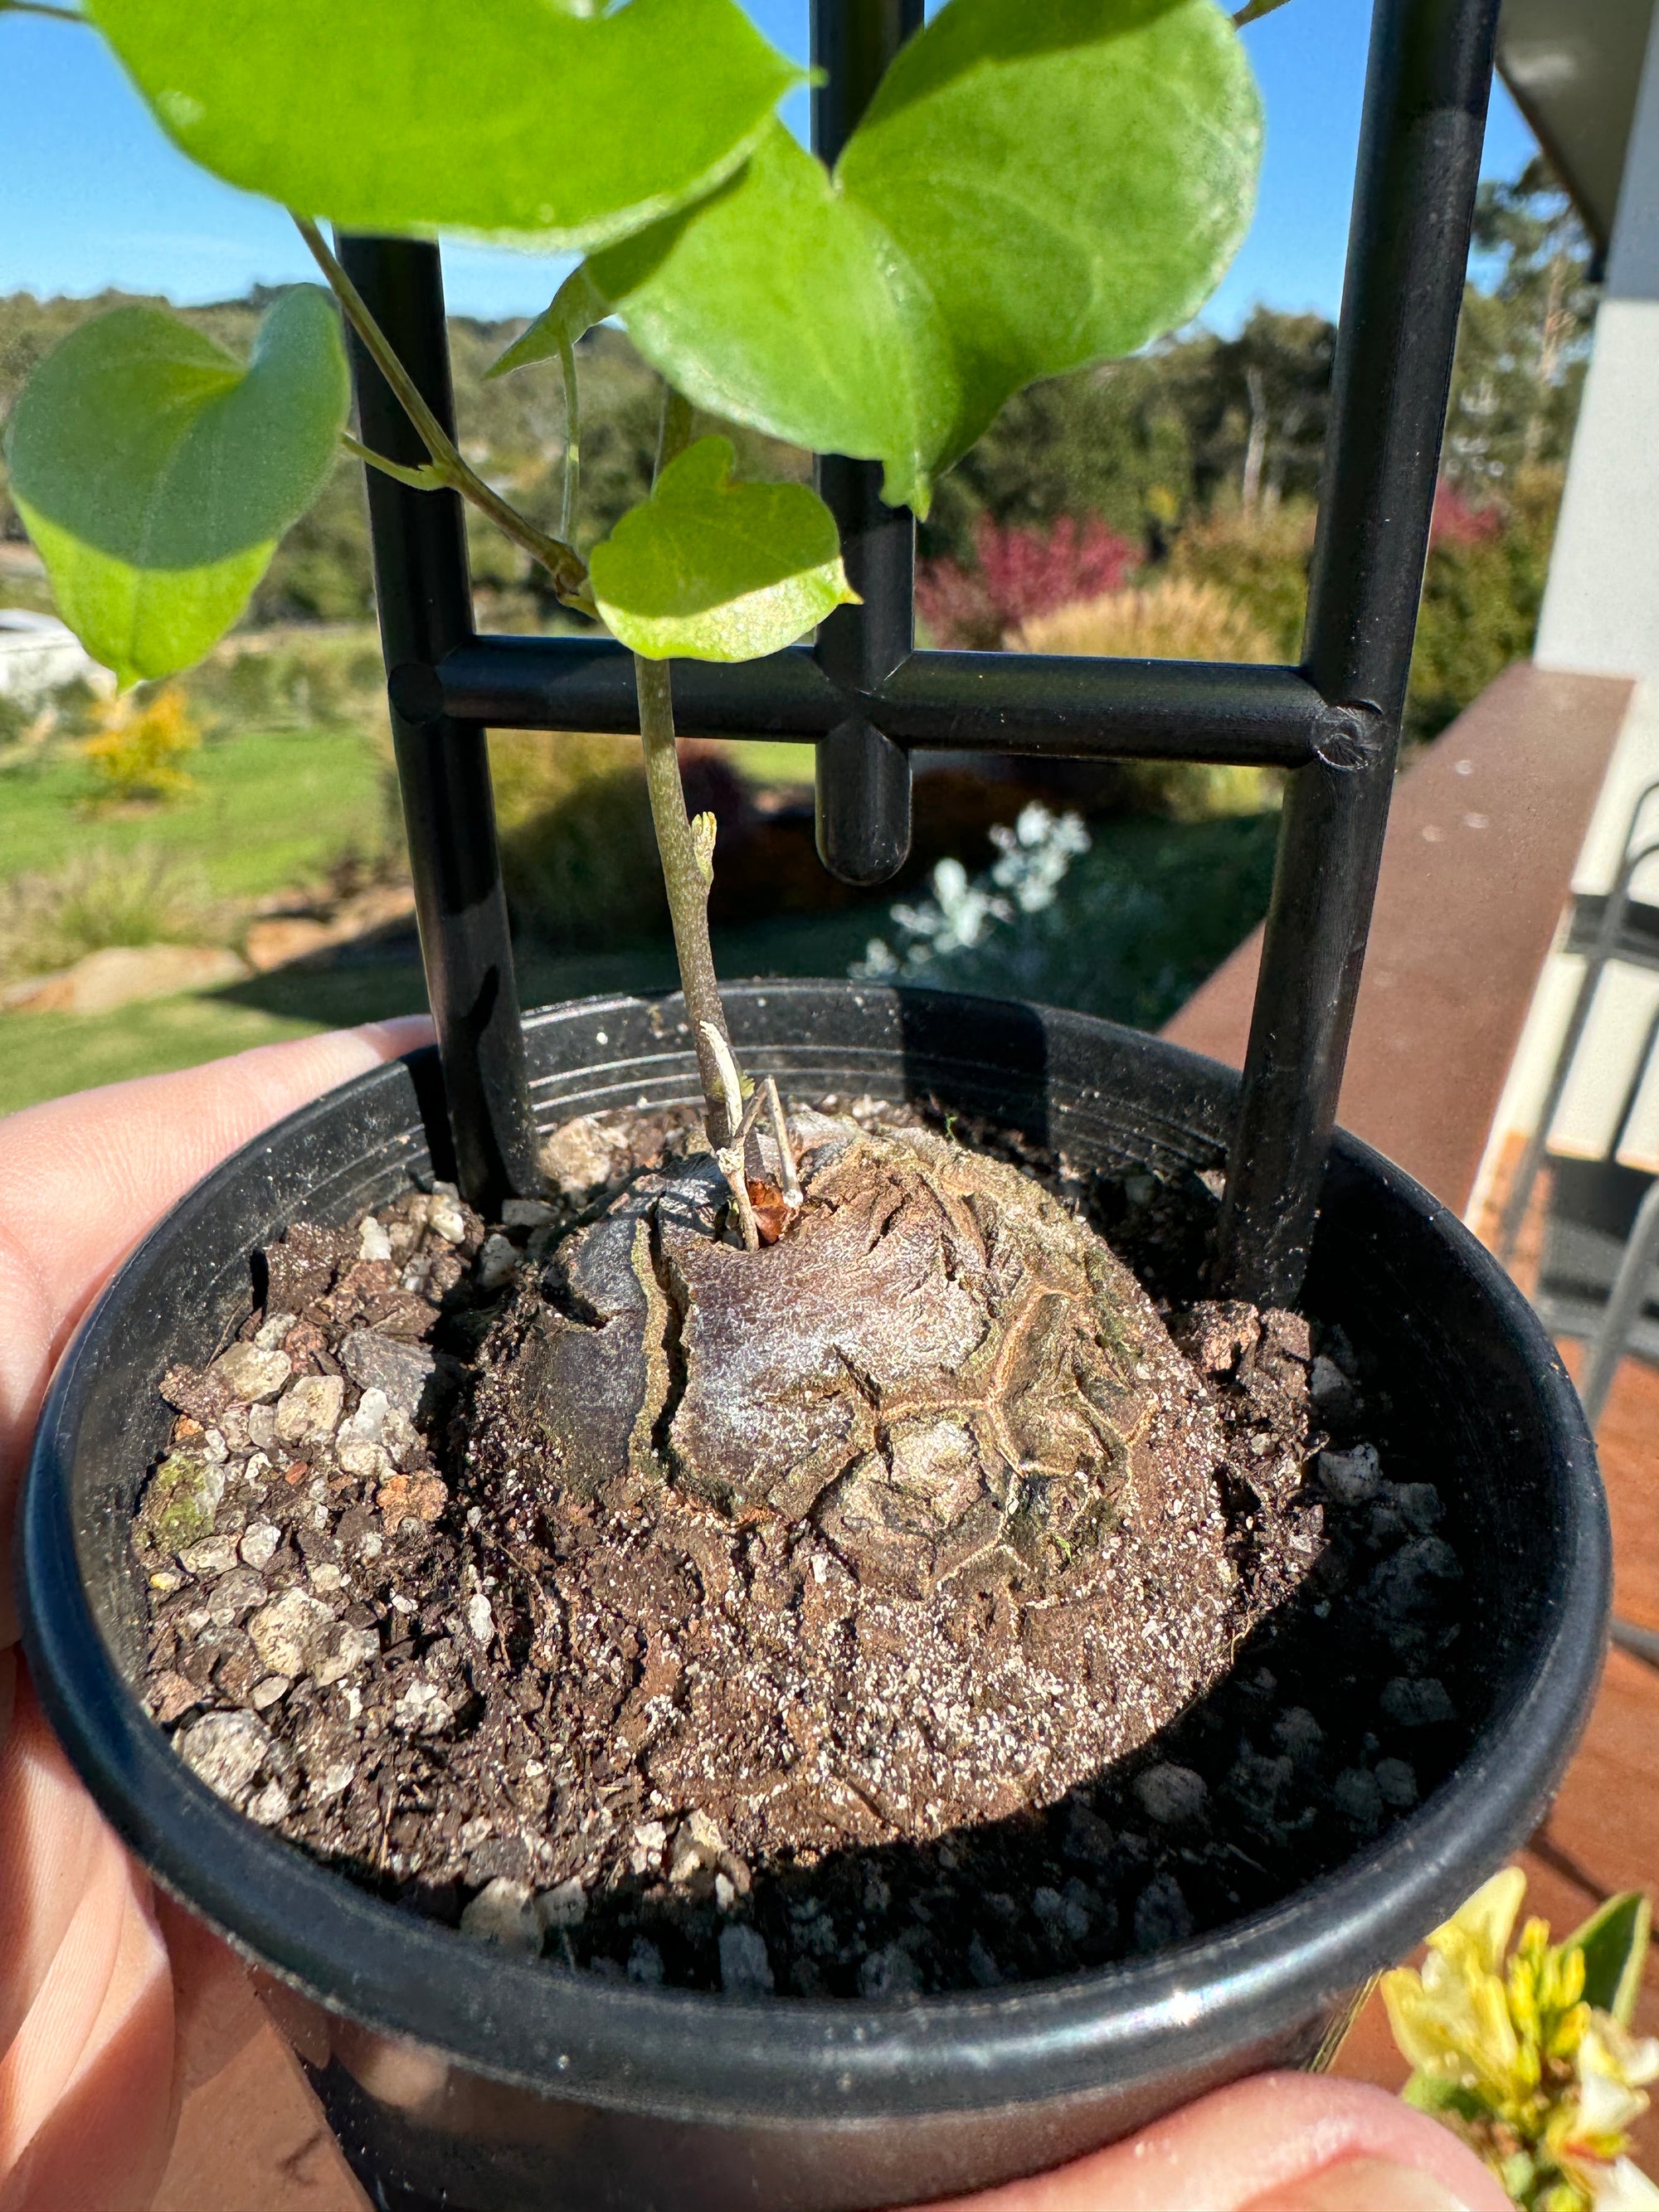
(411, 1497)
(1415, 1704)
(235, 1595)
(389, 1364)
(565, 1906)
(504, 1912)
(181, 1500)
(1066, 1918)
(1397, 1781)
(495, 1263)
(171, 1694)
(580, 1155)
(523, 1216)
(1357, 1796)
(259, 1541)
(1297, 1731)
(1415, 1583)
(212, 1555)
(1418, 1505)
(1174, 1797)
(422, 1710)
(345, 1649)
(367, 1425)
(291, 1631)
(309, 1410)
(884, 1976)
(1162, 1915)
(644, 1963)
(1352, 1476)
(444, 1216)
(745, 1970)
(373, 1243)
(250, 1375)
(270, 1805)
(226, 1750)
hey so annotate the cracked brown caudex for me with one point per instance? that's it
(938, 1362)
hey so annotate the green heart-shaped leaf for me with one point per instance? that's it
(781, 302)
(514, 116)
(1032, 189)
(706, 569)
(155, 473)
(1068, 180)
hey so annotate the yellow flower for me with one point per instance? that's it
(1542, 2084)
(1453, 2021)
(1488, 1920)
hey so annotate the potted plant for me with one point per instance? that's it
(926, 1707)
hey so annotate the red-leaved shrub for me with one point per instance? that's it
(1456, 523)
(1020, 574)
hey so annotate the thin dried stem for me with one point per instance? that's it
(731, 1080)
(731, 1162)
(1254, 10)
(562, 563)
(792, 1190)
(40, 8)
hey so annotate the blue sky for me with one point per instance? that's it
(91, 194)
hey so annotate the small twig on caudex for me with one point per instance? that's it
(730, 1156)
(792, 1190)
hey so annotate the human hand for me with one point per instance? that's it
(94, 2017)
(1279, 2143)
(96, 2009)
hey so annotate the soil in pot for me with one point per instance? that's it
(913, 1604)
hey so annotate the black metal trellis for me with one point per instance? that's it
(866, 698)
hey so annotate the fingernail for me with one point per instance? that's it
(1362, 2185)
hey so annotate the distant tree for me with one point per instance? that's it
(1525, 338)
(1256, 409)
(1109, 441)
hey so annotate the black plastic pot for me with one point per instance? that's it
(460, 2076)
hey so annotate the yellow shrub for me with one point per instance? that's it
(140, 746)
(1174, 619)
(577, 851)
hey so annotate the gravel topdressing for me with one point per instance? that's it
(631, 1733)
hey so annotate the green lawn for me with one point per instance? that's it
(44, 1055)
(1144, 918)
(269, 809)
(1140, 919)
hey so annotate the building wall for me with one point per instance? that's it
(1601, 614)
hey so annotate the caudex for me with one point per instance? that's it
(1029, 190)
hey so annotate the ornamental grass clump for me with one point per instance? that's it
(1529, 2057)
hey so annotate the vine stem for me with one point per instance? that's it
(40, 8)
(573, 435)
(561, 560)
(688, 874)
(686, 849)
(1254, 10)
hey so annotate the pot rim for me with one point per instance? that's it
(697, 2055)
